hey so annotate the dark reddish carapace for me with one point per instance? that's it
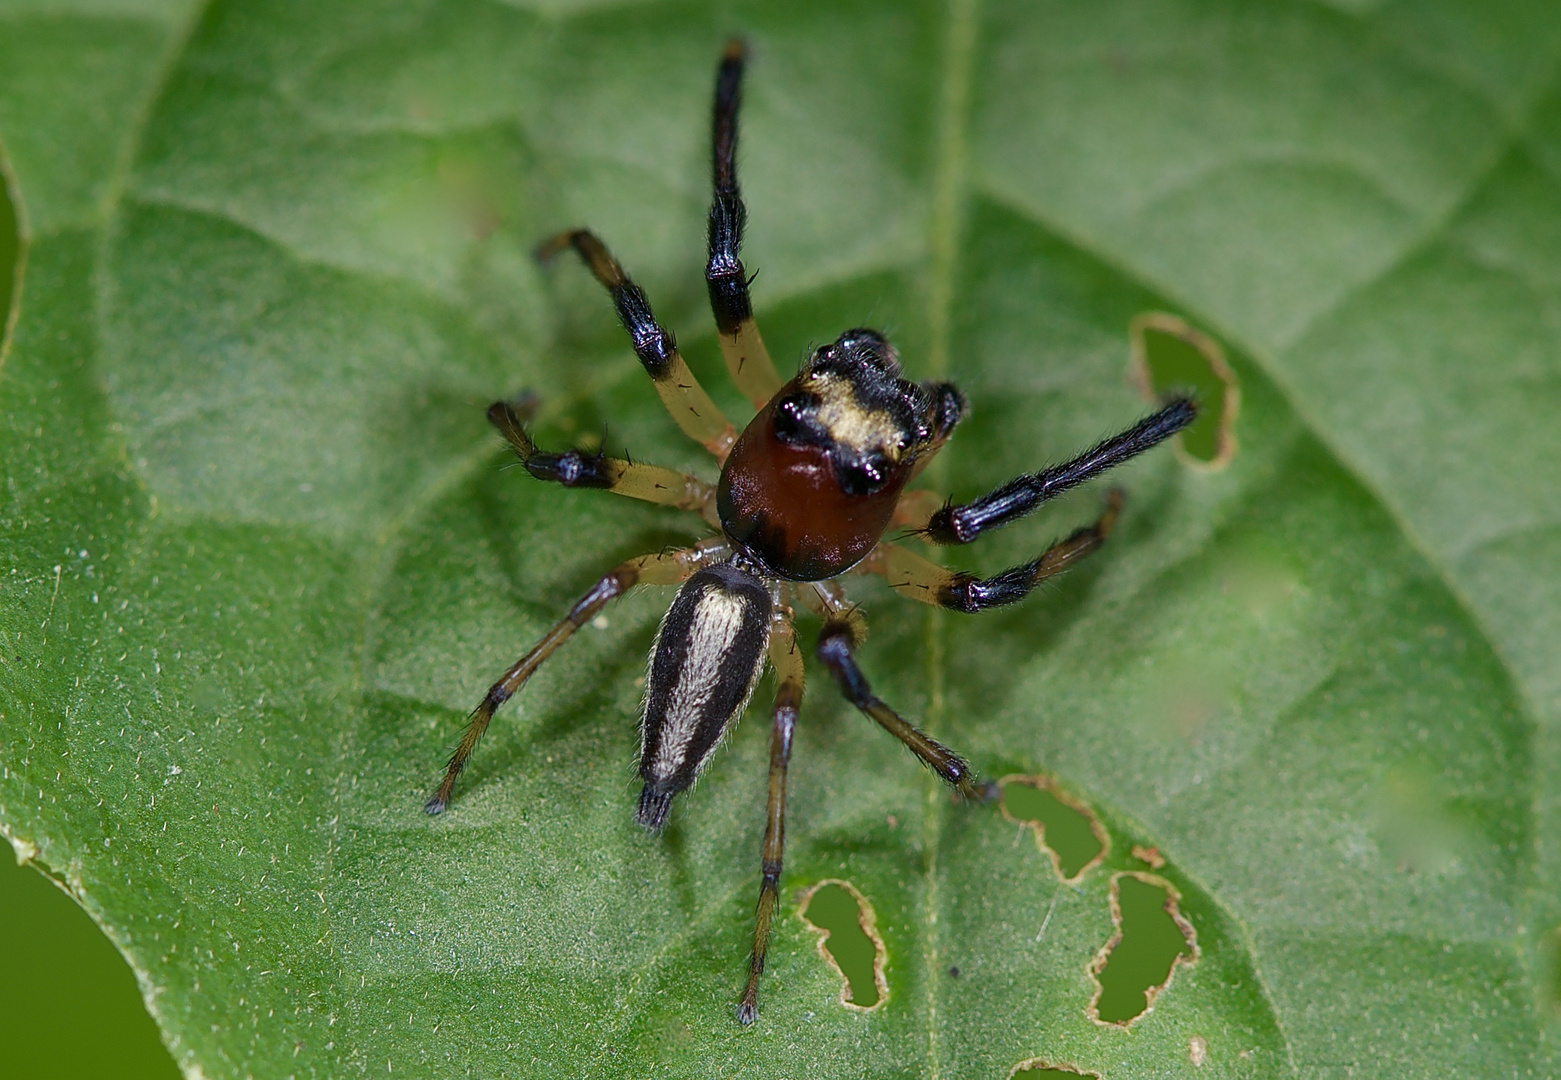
(783, 504)
(811, 484)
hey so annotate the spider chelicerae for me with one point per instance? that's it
(807, 491)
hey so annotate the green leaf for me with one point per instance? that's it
(259, 553)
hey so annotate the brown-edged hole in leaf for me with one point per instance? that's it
(1151, 938)
(1040, 1069)
(1064, 828)
(849, 940)
(1169, 354)
(11, 250)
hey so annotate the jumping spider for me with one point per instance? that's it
(806, 493)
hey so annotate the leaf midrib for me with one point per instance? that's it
(947, 216)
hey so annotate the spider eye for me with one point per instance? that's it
(793, 417)
(864, 475)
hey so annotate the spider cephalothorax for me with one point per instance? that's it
(807, 492)
(812, 483)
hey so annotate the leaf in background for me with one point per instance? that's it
(260, 553)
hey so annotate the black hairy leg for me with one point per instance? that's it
(743, 349)
(960, 524)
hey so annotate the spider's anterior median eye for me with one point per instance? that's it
(863, 475)
(793, 417)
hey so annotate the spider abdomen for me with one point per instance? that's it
(707, 658)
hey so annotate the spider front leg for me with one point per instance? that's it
(650, 483)
(668, 568)
(911, 575)
(692, 409)
(746, 357)
(786, 658)
(960, 524)
(836, 644)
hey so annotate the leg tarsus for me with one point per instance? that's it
(476, 727)
(510, 419)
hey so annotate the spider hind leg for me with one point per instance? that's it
(664, 569)
(787, 661)
(836, 647)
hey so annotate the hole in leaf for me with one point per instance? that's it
(1037, 1069)
(1064, 828)
(1138, 962)
(849, 940)
(1170, 354)
(10, 256)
